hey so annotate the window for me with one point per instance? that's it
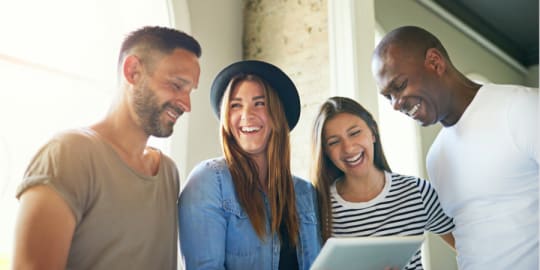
(58, 69)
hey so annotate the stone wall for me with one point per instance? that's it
(293, 35)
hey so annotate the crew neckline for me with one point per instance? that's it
(89, 131)
(380, 197)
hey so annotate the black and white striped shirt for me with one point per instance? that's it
(406, 206)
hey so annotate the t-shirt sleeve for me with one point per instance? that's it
(437, 220)
(172, 171)
(63, 165)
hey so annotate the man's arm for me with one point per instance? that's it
(449, 239)
(45, 226)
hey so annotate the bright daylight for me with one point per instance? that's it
(57, 64)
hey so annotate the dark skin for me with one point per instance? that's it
(413, 71)
(425, 86)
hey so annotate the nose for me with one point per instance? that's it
(395, 102)
(184, 102)
(246, 112)
(347, 146)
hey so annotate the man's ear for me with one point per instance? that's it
(132, 69)
(435, 61)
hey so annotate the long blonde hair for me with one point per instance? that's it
(244, 170)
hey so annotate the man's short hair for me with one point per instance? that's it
(412, 39)
(157, 38)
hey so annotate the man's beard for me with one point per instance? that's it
(149, 111)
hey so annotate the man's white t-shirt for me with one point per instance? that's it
(485, 169)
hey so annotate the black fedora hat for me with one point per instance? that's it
(275, 77)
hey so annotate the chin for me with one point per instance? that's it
(426, 123)
(163, 133)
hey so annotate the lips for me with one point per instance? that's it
(173, 113)
(250, 129)
(354, 160)
(412, 112)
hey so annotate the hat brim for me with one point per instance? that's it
(274, 76)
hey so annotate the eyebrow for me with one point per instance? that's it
(326, 139)
(387, 87)
(254, 98)
(348, 130)
(182, 80)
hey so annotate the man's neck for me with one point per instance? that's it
(129, 141)
(463, 93)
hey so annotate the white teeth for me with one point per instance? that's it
(250, 129)
(172, 114)
(413, 110)
(355, 158)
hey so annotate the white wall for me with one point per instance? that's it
(219, 31)
(532, 77)
(293, 36)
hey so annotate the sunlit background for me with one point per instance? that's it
(57, 71)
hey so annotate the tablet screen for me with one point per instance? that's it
(367, 253)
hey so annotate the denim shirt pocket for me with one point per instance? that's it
(242, 241)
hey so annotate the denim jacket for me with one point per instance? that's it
(216, 233)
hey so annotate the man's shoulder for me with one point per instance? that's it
(80, 135)
(506, 90)
(74, 134)
(74, 141)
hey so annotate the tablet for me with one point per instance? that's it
(367, 253)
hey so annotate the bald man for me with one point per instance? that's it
(484, 162)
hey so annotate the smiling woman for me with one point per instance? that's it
(58, 71)
(245, 209)
(249, 119)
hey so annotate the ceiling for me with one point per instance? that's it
(512, 26)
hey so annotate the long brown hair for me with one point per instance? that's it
(244, 171)
(324, 173)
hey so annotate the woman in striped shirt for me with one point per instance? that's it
(358, 193)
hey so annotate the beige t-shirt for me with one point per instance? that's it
(124, 220)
